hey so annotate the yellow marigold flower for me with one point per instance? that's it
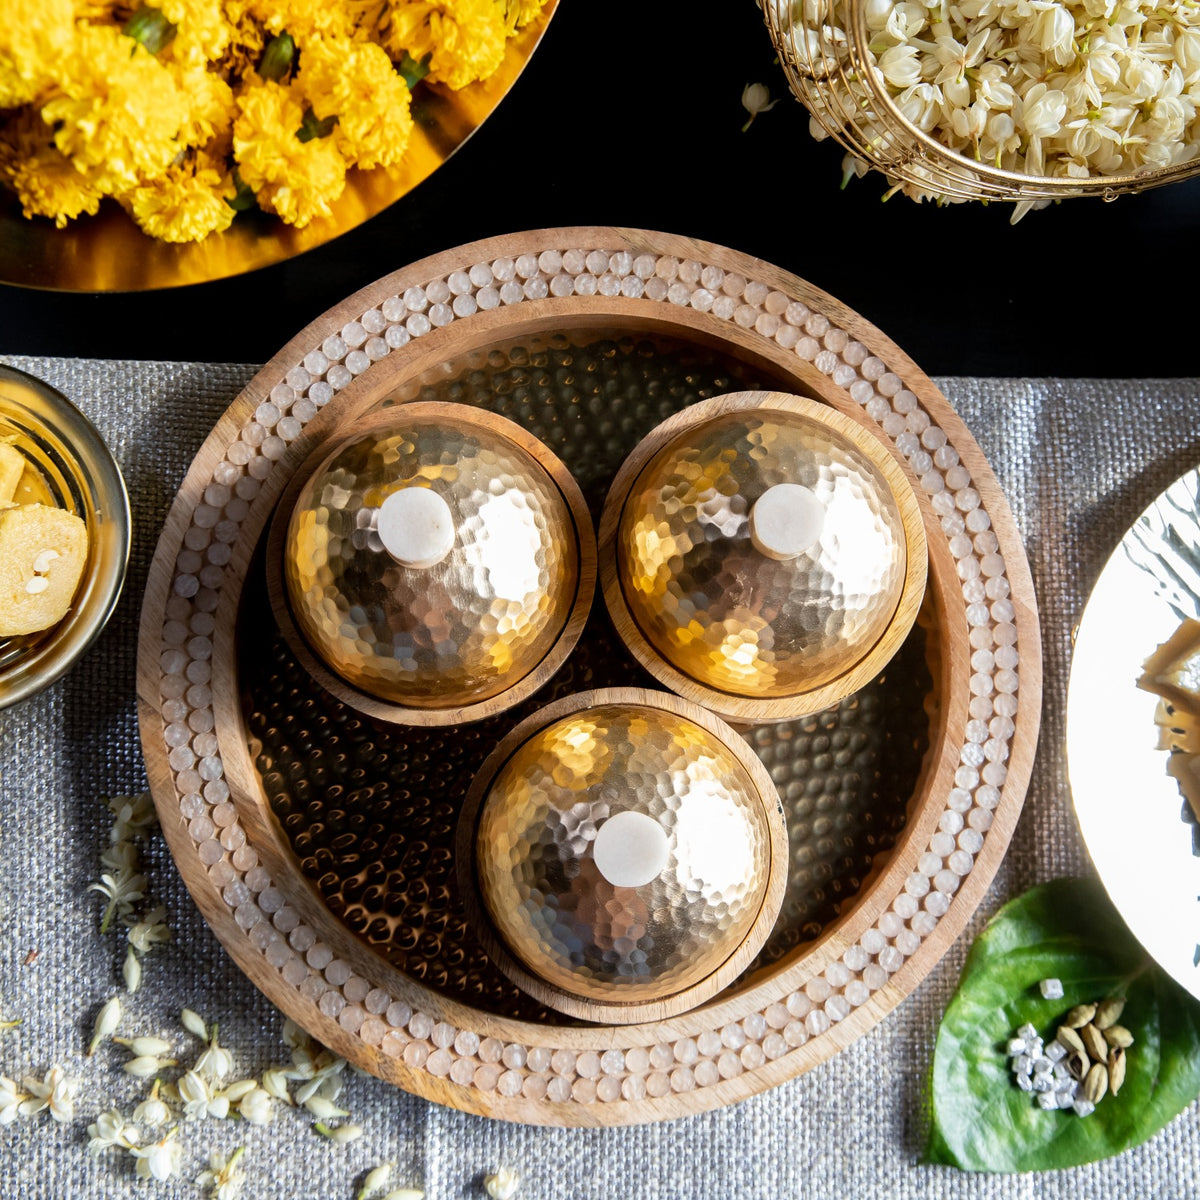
(209, 99)
(307, 18)
(34, 40)
(119, 111)
(184, 204)
(518, 13)
(297, 180)
(201, 29)
(356, 82)
(463, 39)
(45, 182)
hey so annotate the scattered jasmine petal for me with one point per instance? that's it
(11, 1099)
(239, 1090)
(502, 1184)
(161, 1160)
(256, 1107)
(405, 1194)
(194, 1024)
(141, 1046)
(223, 1178)
(295, 1037)
(756, 98)
(146, 1066)
(111, 1129)
(131, 971)
(375, 1181)
(324, 1109)
(340, 1134)
(107, 1020)
(152, 1111)
(6, 1025)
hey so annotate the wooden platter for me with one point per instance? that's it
(319, 847)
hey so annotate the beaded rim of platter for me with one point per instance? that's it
(787, 1019)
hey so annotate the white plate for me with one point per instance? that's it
(1129, 808)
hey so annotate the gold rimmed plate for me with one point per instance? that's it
(108, 253)
(1140, 831)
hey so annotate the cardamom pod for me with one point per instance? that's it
(1069, 1038)
(1080, 1015)
(1118, 1035)
(1096, 1083)
(1116, 1069)
(1077, 1064)
(1108, 1012)
(1094, 1043)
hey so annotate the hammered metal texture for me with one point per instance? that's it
(456, 633)
(728, 616)
(369, 808)
(537, 868)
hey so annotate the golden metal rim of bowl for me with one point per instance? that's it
(72, 443)
(614, 1012)
(742, 709)
(353, 429)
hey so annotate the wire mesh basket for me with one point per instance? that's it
(825, 48)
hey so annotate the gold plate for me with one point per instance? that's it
(108, 253)
(320, 847)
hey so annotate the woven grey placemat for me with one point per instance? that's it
(1077, 459)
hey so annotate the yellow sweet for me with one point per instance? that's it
(42, 555)
(12, 467)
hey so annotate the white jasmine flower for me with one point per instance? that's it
(375, 1181)
(340, 1134)
(131, 971)
(274, 1082)
(1044, 110)
(54, 1091)
(146, 1066)
(256, 1107)
(161, 1160)
(901, 66)
(134, 815)
(236, 1091)
(198, 1099)
(194, 1024)
(324, 1109)
(502, 1184)
(122, 888)
(107, 1020)
(111, 1129)
(223, 1178)
(145, 1046)
(150, 931)
(405, 1194)
(152, 1111)
(11, 1099)
(756, 98)
(294, 1037)
(215, 1063)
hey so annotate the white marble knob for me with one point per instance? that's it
(416, 527)
(630, 849)
(786, 520)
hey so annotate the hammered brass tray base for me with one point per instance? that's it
(318, 842)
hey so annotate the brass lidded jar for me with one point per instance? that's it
(432, 563)
(623, 853)
(763, 555)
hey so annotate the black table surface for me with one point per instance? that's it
(631, 116)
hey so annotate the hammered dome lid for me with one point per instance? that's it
(629, 851)
(763, 545)
(435, 555)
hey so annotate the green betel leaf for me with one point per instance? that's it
(1070, 931)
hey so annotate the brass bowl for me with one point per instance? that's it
(763, 555)
(628, 852)
(433, 563)
(109, 253)
(72, 469)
